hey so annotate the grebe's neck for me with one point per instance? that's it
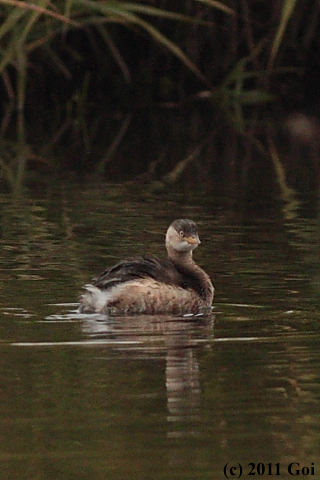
(195, 276)
(184, 260)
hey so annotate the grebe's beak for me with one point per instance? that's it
(194, 240)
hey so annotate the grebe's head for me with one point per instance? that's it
(182, 236)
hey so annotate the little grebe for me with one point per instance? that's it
(143, 285)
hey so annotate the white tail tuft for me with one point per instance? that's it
(93, 300)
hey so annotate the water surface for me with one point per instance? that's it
(86, 396)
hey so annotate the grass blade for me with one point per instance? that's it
(124, 16)
(287, 11)
(217, 6)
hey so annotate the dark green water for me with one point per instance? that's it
(87, 397)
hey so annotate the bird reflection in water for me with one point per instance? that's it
(177, 339)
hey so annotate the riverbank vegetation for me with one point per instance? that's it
(161, 90)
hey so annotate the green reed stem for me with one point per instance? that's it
(21, 134)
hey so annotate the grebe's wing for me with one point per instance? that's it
(138, 267)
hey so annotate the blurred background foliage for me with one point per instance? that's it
(161, 90)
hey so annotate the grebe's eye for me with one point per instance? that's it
(181, 233)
